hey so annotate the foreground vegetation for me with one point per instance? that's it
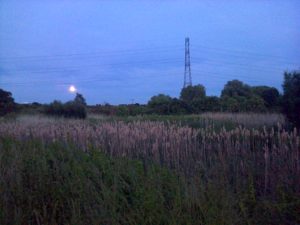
(210, 119)
(59, 171)
(61, 184)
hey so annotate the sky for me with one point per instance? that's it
(127, 51)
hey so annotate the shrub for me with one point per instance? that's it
(74, 110)
(7, 103)
(270, 95)
(55, 108)
(191, 93)
(236, 88)
(70, 109)
(160, 104)
(291, 97)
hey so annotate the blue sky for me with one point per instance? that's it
(124, 51)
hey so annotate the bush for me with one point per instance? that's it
(160, 104)
(7, 104)
(74, 110)
(55, 108)
(270, 95)
(291, 97)
(191, 93)
(69, 110)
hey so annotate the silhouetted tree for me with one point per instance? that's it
(269, 94)
(160, 104)
(229, 104)
(178, 106)
(79, 99)
(74, 109)
(55, 108)
(236, 88)
(71, 109)
(212, 103)
(253, 104)
(7, 103)
(291, 97)
(191, 93)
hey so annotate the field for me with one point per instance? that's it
(212, 168)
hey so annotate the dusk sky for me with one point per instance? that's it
(125, 51)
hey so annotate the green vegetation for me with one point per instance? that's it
(235, 97)
(7, 103)
(71, 109)
(58, 183)
(61, 184)
(291, 97)
(59, 171)
(204, 120)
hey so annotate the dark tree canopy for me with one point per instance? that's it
(236, 88)
(229, 104)
(269, 94)
(79, 99)
(160, 104)
(191, 93)
(159, 99)
(7, 103)
(254, 104)
(291, 96)
(71, 109)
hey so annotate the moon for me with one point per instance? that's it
(72, 89)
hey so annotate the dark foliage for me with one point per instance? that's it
(160, 104)
(192, 93)
(236, 88)
(55, 108)
(291, 97)
(269, 94)
(236, 97)
(7, 103)
(79, 99)
(71, 109)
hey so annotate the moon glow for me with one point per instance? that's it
(72, 89)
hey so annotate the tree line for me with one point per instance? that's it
(236, 96)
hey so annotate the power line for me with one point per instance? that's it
(167, 74)
(138, 64)
(242, 65)
(67, 69)
(241, 52)
(99, 53)
(93, 54)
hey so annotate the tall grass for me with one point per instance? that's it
(58, 184)
(247, 119)
(217, 119)
(238, 176)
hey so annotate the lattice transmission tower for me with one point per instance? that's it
(187, 65)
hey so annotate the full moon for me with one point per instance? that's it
(72, 89)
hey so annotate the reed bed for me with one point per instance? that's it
(247, 119)
(271, 159)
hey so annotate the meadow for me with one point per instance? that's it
(212, 168)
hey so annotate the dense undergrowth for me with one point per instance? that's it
(59, 183)
(210, 119)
